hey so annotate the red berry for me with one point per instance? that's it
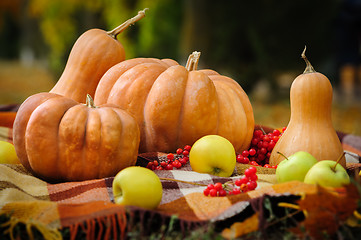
(236, 191)
(253, 170)
(263, 151)
(252, 152)
(276, 132)
(251, 185)
(187, 148)
(257, 133)
(179, 151)
(275, 166)
(243, 180)
(266, 138)
(254, 163)
(261, 157)
(254, 141)
(245, 153)
(267, 166)
(271, 145)
(248, 173)
(186, 158)
(149, 165)
(245, 160)
(185, 153)
(159, 168)
(210, 186)
(169, 167)
(206, 192)
(275, 138)
(170, 156)
(155, 163)
(253, 177)
(218, 186)
(238, 182)
(239, 158)
(213, 192)
(222, 193)
(163, 164)
(284, 129)
(183, 161)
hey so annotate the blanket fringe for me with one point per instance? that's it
(107, 227)
(47, 233)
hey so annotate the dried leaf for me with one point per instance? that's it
(327, 209)
(239, 229)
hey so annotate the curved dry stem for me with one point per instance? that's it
(309, 67)
(113, 33)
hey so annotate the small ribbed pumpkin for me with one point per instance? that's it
(310, 127)
(59, 139)
(94, 52)
(176, 105)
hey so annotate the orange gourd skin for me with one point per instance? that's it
(94, 52)
(59, 139)
(91, 56)
(175, 106)
(310, 127)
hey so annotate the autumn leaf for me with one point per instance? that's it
(239, 229)
(326, 209)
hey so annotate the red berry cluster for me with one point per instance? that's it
(173, 160)
(262, 145)
(246, 183)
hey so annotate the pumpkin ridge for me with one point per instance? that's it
(30, 117)
(181, 112)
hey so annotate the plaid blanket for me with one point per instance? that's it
(88, 207)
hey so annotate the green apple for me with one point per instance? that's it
(295, 167)
(8, 153)
(214, 155)
(137, 186)
(327, 173)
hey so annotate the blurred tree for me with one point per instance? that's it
(9, 28)
(245, 40)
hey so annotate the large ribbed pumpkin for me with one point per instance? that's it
(94, 52)
(59, 139)
(176, 105)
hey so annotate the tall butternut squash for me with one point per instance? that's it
(310, 127)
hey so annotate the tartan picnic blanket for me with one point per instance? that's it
(88, 208)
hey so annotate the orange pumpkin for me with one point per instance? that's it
(310, 128)
(59, 139)
(92, 55)
(176, 105)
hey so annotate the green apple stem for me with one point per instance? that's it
(282, 155)
(338, 160)
(177, 180)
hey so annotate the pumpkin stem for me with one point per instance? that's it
(113, 33)
(282, 155)
(309, 68)
(192, 62)
(338, 160)
(89, 102)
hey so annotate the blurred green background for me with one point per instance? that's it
(257, 43)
